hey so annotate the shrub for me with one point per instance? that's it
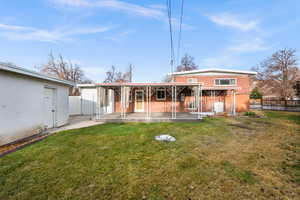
(250, 114)
(255, 94)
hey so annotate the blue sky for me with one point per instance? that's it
(233, 34)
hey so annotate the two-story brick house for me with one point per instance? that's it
(190, 95)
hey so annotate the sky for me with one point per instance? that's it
(96, 34)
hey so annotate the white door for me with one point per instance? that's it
(49, 107)
(219, 107)
(139, 101)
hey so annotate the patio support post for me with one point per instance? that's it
(147, 98)
(172, 104)
(122, 102)
(175, 102)
(150, 94)
(98, 103)
(198, 101)
(211, 101)
(105, 100)
(234, 103)
(201, 105)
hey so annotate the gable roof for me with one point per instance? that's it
(214, 70)
(18, 70)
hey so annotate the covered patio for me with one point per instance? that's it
(162, 101)
(155, 117)
(149, 101)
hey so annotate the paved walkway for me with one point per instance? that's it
(76, 122)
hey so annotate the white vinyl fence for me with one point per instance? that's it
(75, 105)
(86, 104)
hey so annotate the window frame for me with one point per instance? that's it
(235, 81)
(161, 89)
(194, 80)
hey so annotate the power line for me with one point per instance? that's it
(169, 9)
(180, 32)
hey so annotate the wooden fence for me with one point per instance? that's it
(274, 104)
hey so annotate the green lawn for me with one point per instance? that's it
(219, 158)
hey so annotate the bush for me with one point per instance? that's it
(250, 114)
(255, 94)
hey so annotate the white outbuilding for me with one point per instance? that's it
(30, 103)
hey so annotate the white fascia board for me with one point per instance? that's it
(30, 73)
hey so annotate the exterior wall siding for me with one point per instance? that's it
(22, 106)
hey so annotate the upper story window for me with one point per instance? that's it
(160, 94)
(192, 80)
(225, 81)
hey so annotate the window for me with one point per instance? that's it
(192, 105)
(192, 80)
(225, 81)
(160, 94)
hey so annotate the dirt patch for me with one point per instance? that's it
(9, 148)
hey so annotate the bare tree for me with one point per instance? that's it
(61, 69)
(129, 73)
(167, 78)
(187, 64)
(278, 74)
(115, 76)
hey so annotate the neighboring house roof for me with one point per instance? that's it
(214, 70)
(18, 70)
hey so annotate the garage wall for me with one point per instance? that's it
(21, 106)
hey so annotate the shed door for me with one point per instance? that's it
(49, 107)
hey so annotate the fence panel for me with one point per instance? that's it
(75, 105)
(284, 105)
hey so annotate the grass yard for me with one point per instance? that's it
(219, 158)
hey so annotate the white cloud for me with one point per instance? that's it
(154, 11)
(253, 45)
(14, 28)
(223, 61)
(29, 33)
(119, 37)
(176, 25)
(113, 4)
(158, 6)
(234, 21)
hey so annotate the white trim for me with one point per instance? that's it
(30, 73)
(225, 79)
(215, 70)
(143, 102)
(161, 89)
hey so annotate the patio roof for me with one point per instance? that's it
(159, 85)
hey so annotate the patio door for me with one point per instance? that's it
(139, 101)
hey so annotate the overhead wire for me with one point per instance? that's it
(180, 32)
(172, 52)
